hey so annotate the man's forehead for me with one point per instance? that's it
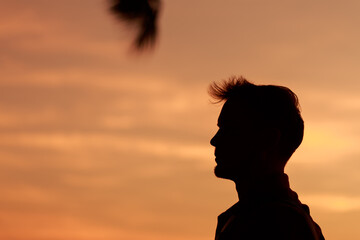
(234, 112)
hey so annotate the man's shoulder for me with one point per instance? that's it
(285, 212)
(277, 219)
(283, 219)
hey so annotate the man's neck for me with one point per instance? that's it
(260, 183)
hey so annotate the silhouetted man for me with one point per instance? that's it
(260, 127)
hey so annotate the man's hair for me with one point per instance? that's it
(271, 106)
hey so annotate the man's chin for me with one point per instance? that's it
(223, 172)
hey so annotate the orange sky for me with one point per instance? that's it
(96, 143)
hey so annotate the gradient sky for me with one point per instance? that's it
(98, 143)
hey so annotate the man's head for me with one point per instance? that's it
(260, 127)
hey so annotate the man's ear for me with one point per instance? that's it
(271, 137)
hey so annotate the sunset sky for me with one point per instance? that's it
(99, 143)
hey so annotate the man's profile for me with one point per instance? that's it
(260, 127)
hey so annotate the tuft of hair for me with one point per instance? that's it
(224, 90)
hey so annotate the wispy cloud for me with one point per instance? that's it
(331, 202)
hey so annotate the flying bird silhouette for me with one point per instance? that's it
(141, 15)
